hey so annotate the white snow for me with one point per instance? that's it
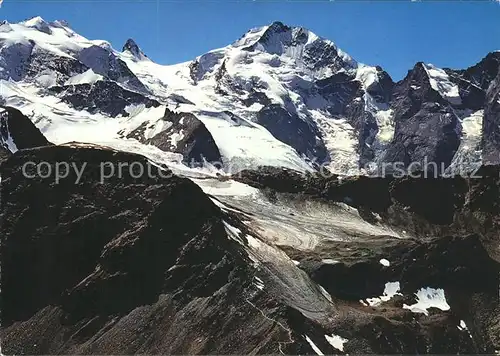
(228, 188)
(276, 71)
(385, 262)
(341, 142)
(336, 341)
(385, 125)
(39, 24)
(366, 75)
(249, 145)
(88, 77)
(259, 283)
(462, 325)
(10, 145)
(325, 293)
(472, 125)
(233, 232)
(391, 290)
(176, 138)
(469, 153)
(440, 82)
(428, 298)
(8, 141)
(329, 261)
(46, 79)
(314, 347)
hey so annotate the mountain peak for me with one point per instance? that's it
(299, 43)
(279, 26)
(132, 48)
(39, 24)
(34, 20)
(60, 23)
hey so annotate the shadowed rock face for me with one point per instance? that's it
(129, 265)
(194, 141)
(102, 96)
(293, 131)
(491, 127)
(425, 124)
(132, 47)
(58, 68)
(17, 132)
(185, 134)
(104, 62)
(88, 259)
(474, 81)
(430, 135)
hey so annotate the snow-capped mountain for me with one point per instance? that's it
(278, 96)
(266, 261)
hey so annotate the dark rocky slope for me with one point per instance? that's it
(144, 265)
(103, 96)
(127, 266)
(491, 127)
(19, 129)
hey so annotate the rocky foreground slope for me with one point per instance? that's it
(160, 264)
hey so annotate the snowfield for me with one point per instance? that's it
(275, 67)
(332, 110)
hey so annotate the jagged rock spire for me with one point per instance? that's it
(132, 47)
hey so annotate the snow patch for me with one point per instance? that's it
(462, 325)
(428, 298)
(440, 81)
(259, 283)
(176, 138)
(228, 188)
(366, 75)
(385, 124)
(329, 261)
(472, 125)
(469, 153)
(384, 262)
(88, 77)
(46, 79)
(390, 291)
(314, 347)
(325, 293)
(336, 341)
(233, 232)
(5, 135)
(341, 142)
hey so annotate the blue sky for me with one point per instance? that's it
(394, 34)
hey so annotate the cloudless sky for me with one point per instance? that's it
(393, 34)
